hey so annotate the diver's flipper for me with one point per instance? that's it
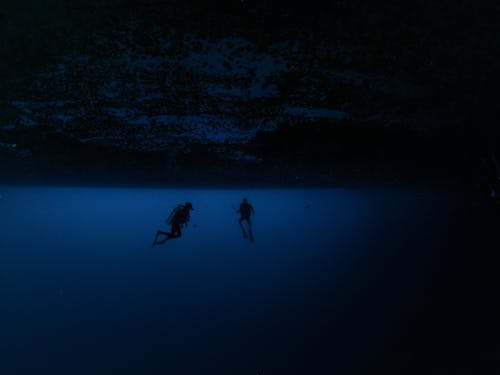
(162, 241)
(250, 237)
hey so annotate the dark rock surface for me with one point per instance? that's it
(181, 84)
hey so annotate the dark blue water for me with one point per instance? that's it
(337, 281)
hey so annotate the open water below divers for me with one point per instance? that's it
(337, 281)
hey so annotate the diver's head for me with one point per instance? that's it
(189, 206)
(244, 199)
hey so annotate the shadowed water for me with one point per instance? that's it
(337, 280)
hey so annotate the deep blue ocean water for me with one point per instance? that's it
(337, 281)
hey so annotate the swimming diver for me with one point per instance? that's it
(179, 218)
(245, 211)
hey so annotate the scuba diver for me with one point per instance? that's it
(245, 211)
(179, 218)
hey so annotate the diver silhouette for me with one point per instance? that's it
(178, 219)
(245, 211)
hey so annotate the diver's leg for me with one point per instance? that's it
(243, 231)
(175, 232)
(250, 232)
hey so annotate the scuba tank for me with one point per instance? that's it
(174, 213)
